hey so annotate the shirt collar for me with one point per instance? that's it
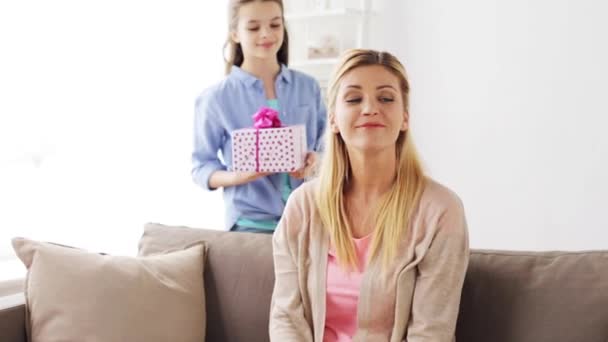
(249, 79)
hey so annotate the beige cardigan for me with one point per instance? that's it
(414, 300)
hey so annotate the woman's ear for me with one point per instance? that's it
(406, 121)
(234, 36)
(332, 124)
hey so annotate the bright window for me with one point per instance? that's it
(96, 115)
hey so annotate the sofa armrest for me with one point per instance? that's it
(12, 318)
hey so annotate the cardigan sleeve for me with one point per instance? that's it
(439, 280)
(287, 320)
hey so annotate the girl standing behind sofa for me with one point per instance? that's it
(373, 250)
(257, 76)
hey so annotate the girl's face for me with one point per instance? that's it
(369, 112)
(259, 29)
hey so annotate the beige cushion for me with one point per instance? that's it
(74, 295)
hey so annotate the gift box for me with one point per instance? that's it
(268, 147)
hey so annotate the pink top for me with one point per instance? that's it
(342, 295)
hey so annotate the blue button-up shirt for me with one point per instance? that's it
(229, 105)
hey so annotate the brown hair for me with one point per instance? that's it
(235, 52)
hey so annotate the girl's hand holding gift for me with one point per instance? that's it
(309, 167)
(243, 177)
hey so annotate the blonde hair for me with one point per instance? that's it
(393, 213)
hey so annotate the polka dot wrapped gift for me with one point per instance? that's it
(268, 147)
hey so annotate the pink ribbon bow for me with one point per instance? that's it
(266, 118)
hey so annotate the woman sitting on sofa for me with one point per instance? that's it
(373, 250)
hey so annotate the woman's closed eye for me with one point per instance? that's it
(353, 100)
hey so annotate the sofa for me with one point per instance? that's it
(508, 296)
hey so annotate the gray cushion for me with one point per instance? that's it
(12, 318)
(535, 297)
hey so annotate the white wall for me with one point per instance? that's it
(507, 105)
(509, 109)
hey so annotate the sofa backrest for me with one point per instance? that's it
(507, 296)
(534, 297)
(239, 278)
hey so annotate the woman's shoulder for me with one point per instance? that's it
(304, 195)
(441, 213)
(301, 205)
(300, 211)
(438, 197)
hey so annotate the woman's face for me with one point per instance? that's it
(259, 29)
(369, 112)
